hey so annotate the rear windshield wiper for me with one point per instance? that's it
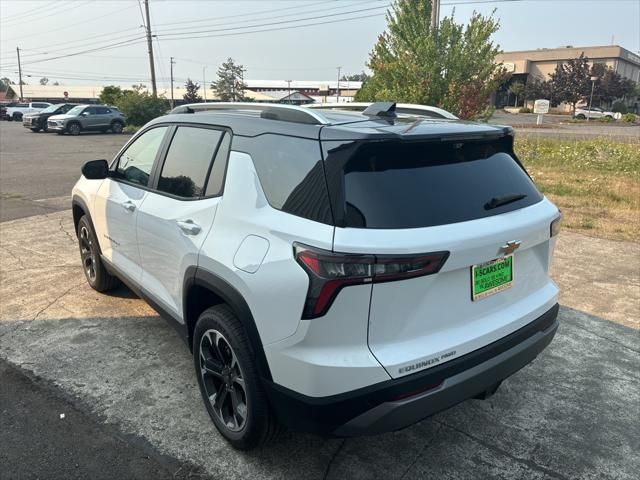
(496, 202)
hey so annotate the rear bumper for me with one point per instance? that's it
(396, 404)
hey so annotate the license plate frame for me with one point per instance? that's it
(498, 279)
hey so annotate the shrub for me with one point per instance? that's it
(140, 107)
(131, 129)
(525, 110)
(605, 119)
(629, 117)
(619, 106)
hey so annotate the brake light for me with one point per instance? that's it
(330, 272)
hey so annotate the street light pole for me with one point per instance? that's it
(172, 64)
(204, 83)
(593, 82)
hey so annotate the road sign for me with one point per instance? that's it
(541, 106)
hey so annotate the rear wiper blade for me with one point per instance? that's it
(496, 202)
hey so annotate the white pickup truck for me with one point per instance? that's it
(16, 113)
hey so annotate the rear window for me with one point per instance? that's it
(394, 184)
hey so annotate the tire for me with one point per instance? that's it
(94, 271)
(580, 116)
(35, 130)
(220, 343)
(45, 128)
(74, 128)
(116, 127)
(17, 117)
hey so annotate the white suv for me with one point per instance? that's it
(344, 273)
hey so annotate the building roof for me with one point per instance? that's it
(288, 94)
(301, 84)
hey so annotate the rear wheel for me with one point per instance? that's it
(17, 117)
(229, 382)
(74, 128)
(116, 127)
(94, 271)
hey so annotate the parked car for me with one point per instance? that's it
(38, 121)
(596, 112)
(85, 118)
(19, 110)
(345, 273)
(3, 109)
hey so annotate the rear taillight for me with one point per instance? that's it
(555, 226)
(330, 272)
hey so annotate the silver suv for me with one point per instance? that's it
(87, 118)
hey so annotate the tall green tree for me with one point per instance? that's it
(111, 95)
(571, 81)
(191, 95)
(230, 85)
(453, 68)
(4, 84)
(356, 77)
(516, 88)
(44, 81)
(610, 85)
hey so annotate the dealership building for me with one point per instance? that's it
(538, 64)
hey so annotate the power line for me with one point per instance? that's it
(273, 23)
(45, 13)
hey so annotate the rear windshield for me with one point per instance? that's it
(394, 184)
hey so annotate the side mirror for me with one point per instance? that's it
(84, 114)
(95, 170)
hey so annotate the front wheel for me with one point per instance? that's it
(580, 116)
(229, 383)
(94, 271)
(74, 129)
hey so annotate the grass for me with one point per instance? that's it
(595, 182)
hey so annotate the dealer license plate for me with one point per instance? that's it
(491, 277)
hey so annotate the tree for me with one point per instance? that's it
(191, 95)
(44, 81)
(356, 77)
(4, 84)
(610, 84)
(230, 85)
(56, 83)
(571, 81)
(110, 95)
(516, 88)
(411, 64)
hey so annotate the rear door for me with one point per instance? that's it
(175, 219)
(470, 199)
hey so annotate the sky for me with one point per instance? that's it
(84, 42)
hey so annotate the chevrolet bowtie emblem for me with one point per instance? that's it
(510, 247)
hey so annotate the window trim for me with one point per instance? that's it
(113, 168)
(165, 149)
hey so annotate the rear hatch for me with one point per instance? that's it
(464, 202)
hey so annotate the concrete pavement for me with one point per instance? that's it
(572, 414)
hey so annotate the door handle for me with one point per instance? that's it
(189, 227)
(129, 206)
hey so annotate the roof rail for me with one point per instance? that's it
(273, 111)
(401, 109)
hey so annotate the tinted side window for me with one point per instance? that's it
(102, 110)
(135, 164)
(216, 177)
(291, 174)
(40, 105)
(90, 110)
(185, 169)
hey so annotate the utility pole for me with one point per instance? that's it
(289, 90)
(150, 48)
(19, 72)
(435, 16)
(172, 64)
(204, 83)
(338, 86)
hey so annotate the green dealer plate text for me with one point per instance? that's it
(491, 277)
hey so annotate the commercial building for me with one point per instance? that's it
(538, 64)
(277, 91)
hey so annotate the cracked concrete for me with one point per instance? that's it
(572, 414)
